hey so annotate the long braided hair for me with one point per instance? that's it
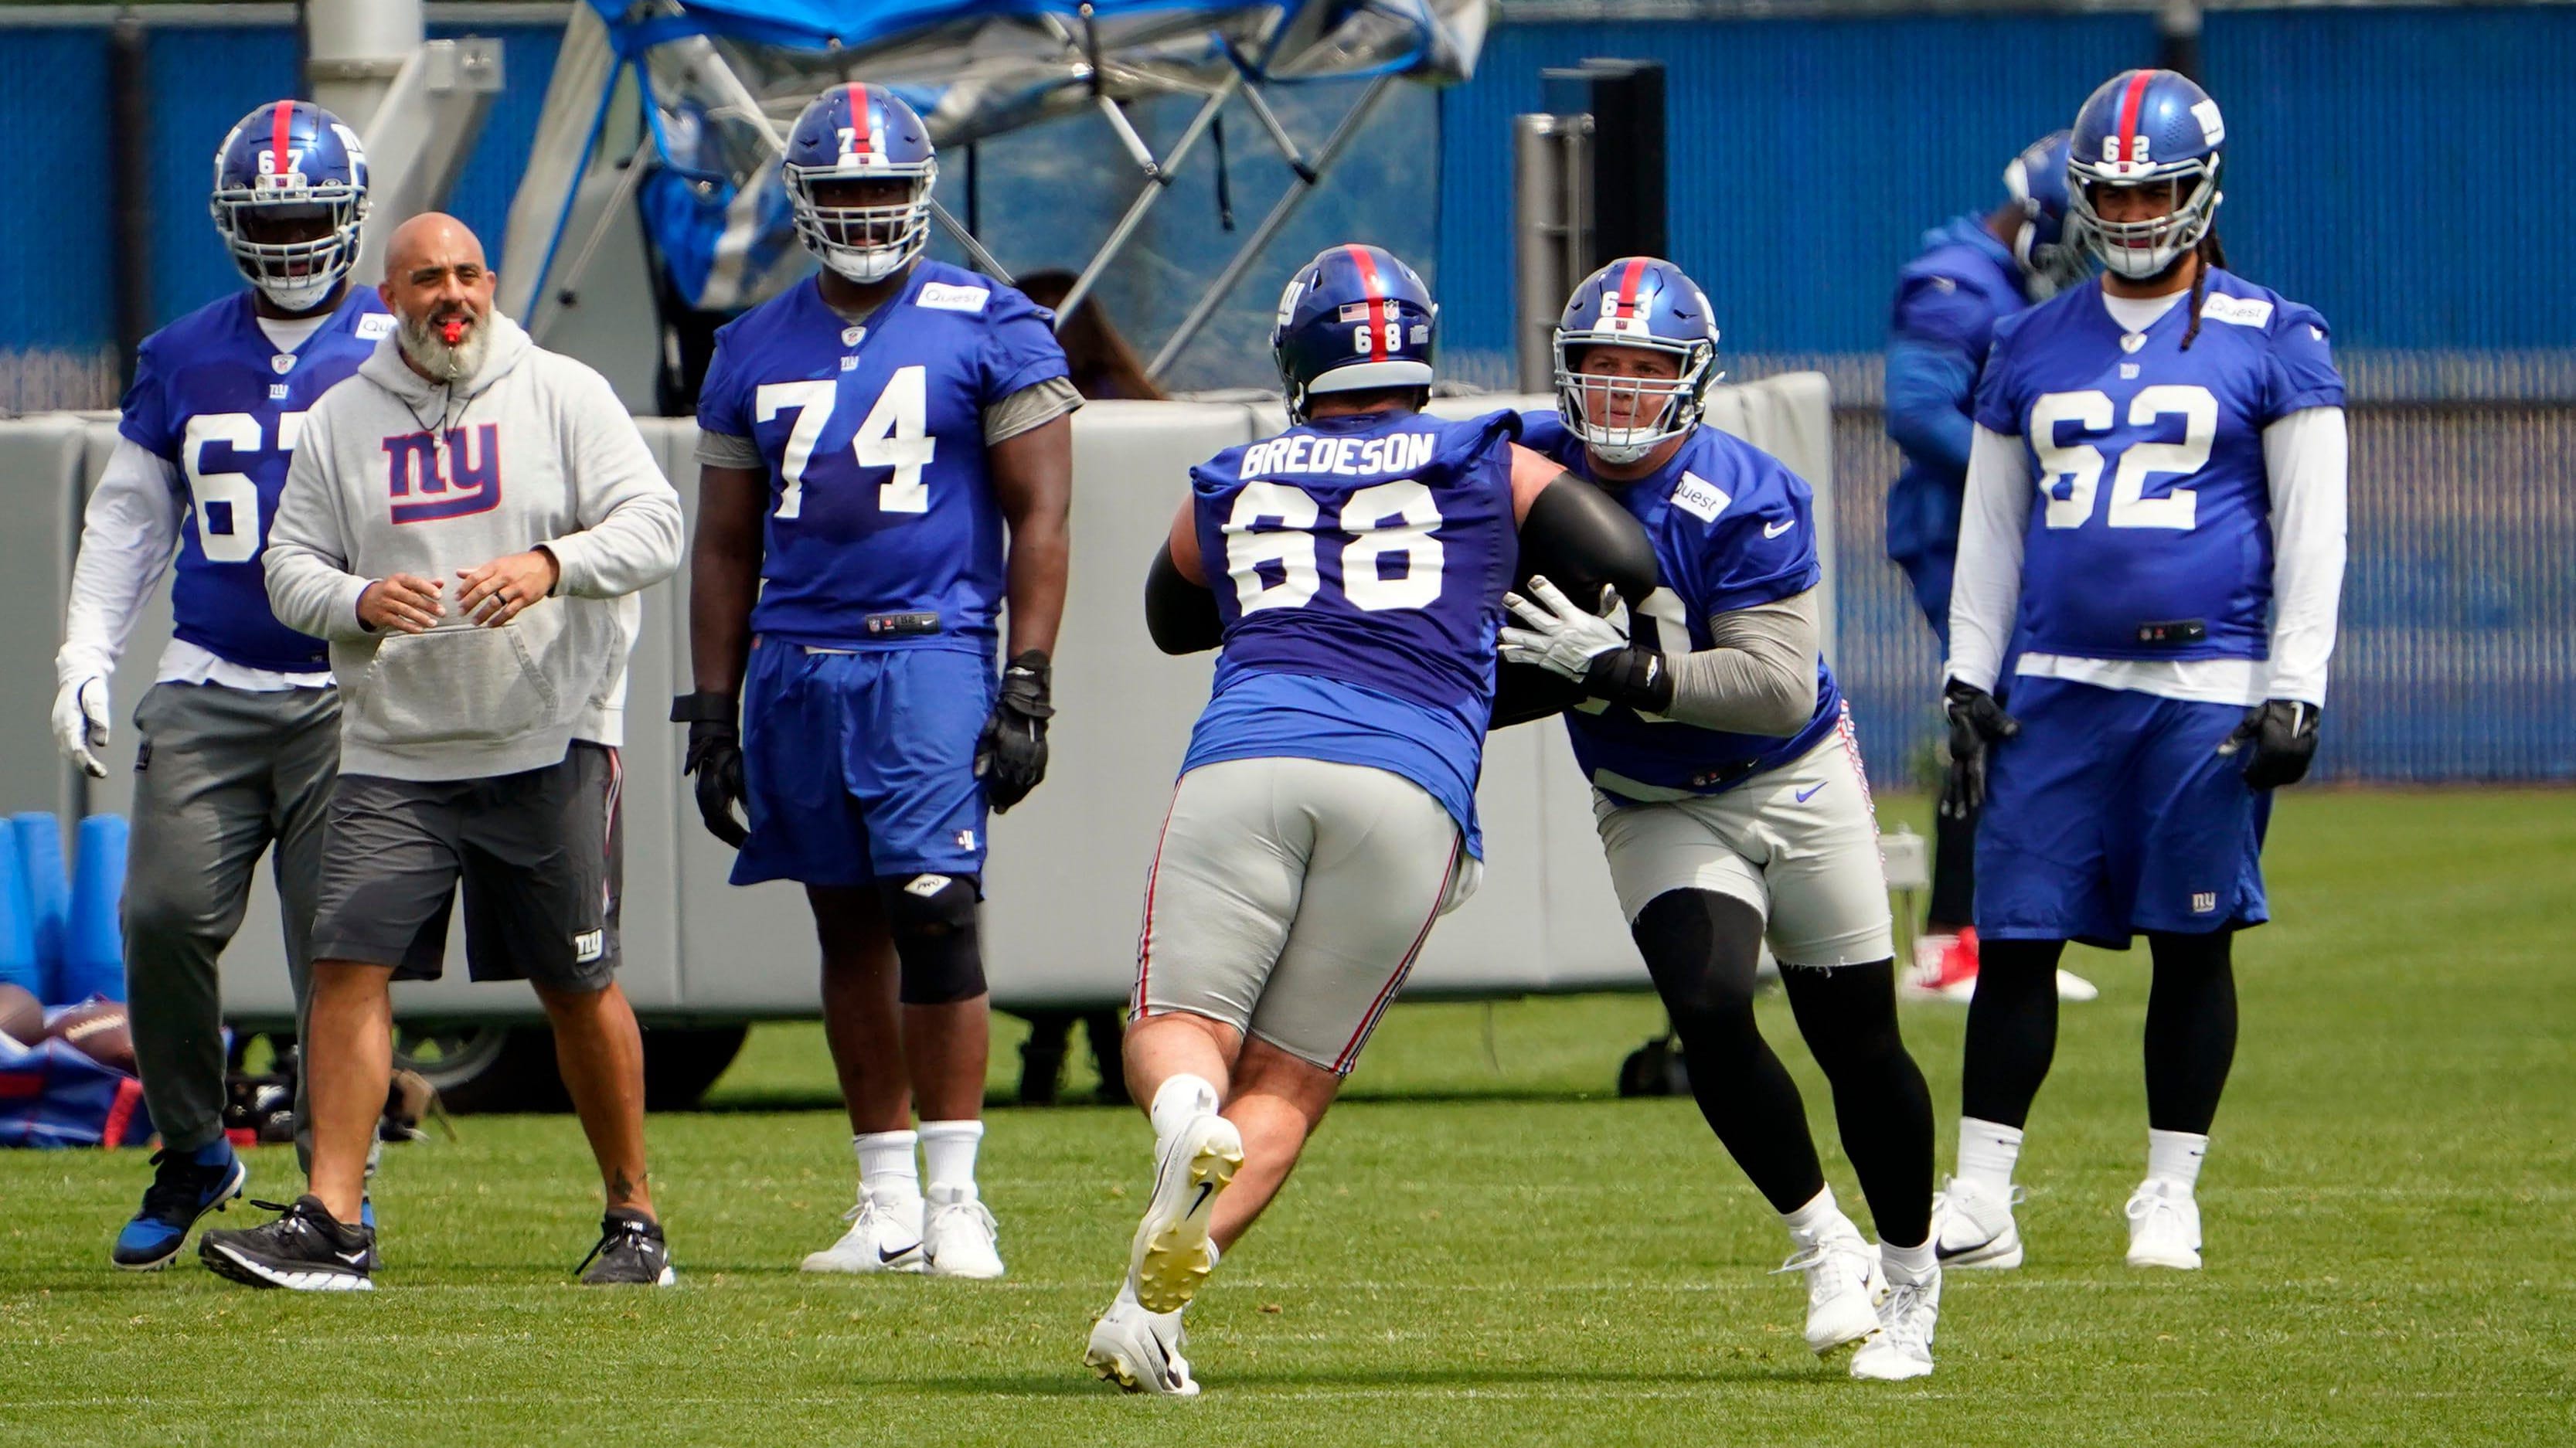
(2211, 255)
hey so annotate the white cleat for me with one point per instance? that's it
(1171, 1255)
(882, 1238)
(2164, 1226)
(1973, 1227)
(957, 1236)
(1139, 1350)
(1903, 1349)
(1843, 1288)
(2073, 987)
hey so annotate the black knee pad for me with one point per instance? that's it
(1703, 950)
(932, 919)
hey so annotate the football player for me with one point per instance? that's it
(241, 730)
(2156, 510)
(1972, 271)
(1353, 570)
(867, 439)
(1731, 801)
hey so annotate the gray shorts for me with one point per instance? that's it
(1798, 843)
(1289, 897)
(541, 854)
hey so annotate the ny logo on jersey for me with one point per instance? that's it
(428, 481)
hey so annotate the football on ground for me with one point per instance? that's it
(1483, 1246)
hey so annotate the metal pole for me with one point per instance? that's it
(1551, 226)
(984, 260)
(2178, 37)
(129, 91)
(1308, 178)
(353, 51)
(1162, 173)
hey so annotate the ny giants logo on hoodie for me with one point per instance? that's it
(429, 482)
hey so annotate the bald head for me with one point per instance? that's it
(439, 289)
(433, 237)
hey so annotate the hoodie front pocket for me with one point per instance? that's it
(461, 685)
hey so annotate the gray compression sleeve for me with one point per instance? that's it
(1759, 675)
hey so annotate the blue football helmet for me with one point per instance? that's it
(1636, 301)
(1353, 319)
(2146, 127)
(290, 194)
(2036, 180)
(861, 133)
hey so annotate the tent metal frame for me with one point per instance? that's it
(1158, 172)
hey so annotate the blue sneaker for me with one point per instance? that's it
(184, 1188)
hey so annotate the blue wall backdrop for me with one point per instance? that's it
(1805, 156)
(2403, 169)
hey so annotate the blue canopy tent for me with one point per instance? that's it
(713, 85)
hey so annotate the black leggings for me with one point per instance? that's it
(1702, 949)
(2191, 1029)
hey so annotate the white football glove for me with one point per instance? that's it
(1562, 637)
(80, 723)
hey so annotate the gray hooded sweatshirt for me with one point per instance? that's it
(395, 473)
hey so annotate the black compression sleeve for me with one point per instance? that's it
(1579, 538)
(1180, 615)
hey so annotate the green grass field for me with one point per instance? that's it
(1487, 1248)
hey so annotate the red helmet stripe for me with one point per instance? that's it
(859, 118)
(2129, 107)
(280, 135)
(1377, 308)
(1628, 286)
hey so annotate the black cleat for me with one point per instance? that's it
(306, 1250)
(185, 1187)
(630, 1253)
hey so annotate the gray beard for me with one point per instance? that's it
(433, 356)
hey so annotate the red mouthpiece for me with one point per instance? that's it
(452, 331)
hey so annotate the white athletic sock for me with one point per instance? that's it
(1914, 1264)
(886, 1171)
(948, 1152)
(2174, 1156)
(1987, 1151)
(1815, 1221)
(1179, 1101)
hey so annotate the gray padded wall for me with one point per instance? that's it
(1068, 866)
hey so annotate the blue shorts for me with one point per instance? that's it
(2113, 812)
(862, 765)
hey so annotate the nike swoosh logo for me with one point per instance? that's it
(885, 1256)
(1205, 1191)
(354, 1259)
(1774, 530)
(1809, 792)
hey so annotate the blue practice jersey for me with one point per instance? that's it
(1948, 300)
(879, 503)
(216, 399)
(2151, 537)
(1359, 565)
(1732, 528)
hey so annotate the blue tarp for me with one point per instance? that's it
(850, 24)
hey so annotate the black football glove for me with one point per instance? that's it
(1011, 757)
(714, 760)
(1976, 721)
(2284, 735)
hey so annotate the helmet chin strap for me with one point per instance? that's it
(300, 296)
(873, 265)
